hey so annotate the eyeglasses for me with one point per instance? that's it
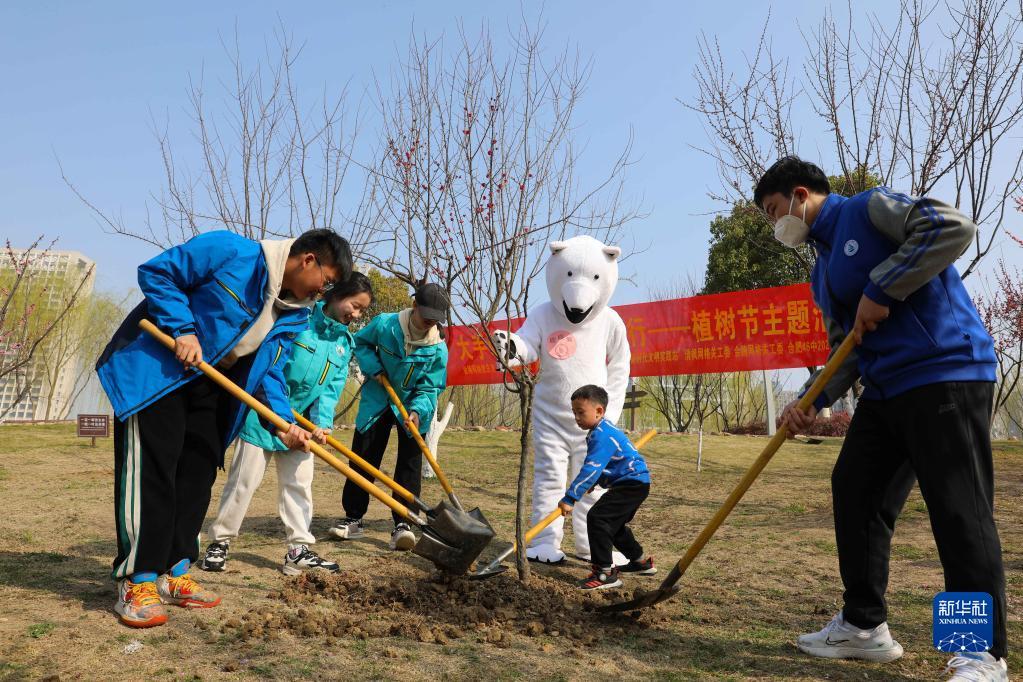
(328, 284)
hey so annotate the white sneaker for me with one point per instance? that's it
(347, 529)
(839, 639)
(403, 539)
(978, 667)
(545, 554)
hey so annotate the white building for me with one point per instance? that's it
(62, 267)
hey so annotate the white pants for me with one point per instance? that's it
(559, 453)
(294, 492)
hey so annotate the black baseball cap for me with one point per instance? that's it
(433, 302)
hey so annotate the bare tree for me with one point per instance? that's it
(264, 163)
(29, 314)
(485, 405)
(66, 358)
(683, 399)
(476, 176)
(928, 99)
(740, 400)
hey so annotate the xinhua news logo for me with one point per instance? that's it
(963, 622)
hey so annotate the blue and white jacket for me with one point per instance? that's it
(898, 251)
(214, 286)
(316, 375)
(611, 459)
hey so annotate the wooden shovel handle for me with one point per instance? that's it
(754, 471)
(350, 454)
(646, 438)
(269, 415)
(444, 483)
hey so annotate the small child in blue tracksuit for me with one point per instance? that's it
(612, 462)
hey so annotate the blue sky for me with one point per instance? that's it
(81, 79)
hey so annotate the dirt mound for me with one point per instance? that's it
(438, 608)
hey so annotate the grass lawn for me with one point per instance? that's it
(769, 574)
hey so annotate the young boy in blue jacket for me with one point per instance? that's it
(237, 304)
(612, 462)
(316, 375)
(407, 348)
(884, 272)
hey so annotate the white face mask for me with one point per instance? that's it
(792, 230)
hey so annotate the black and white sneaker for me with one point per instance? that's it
(645, 567)
(215, 558)
(600, 579)
(403, 539)
(301, 558)
(348, 529)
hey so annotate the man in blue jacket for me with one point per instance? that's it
(237, 304)
(884, 272)
(408, 349)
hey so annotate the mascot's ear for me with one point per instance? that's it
(558, 247)
(612, 252)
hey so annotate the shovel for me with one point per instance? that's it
(363, 464)
(669, 588)
(451, 539)
(495, 567)
(444, 483)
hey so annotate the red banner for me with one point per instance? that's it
(759, 329)
(469, 359)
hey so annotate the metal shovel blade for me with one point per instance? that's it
(478, 515)
(485, 573)
(494, 567)
(454, 538)
(641, 601)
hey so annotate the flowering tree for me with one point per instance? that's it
(477, 173)
(1002, 313)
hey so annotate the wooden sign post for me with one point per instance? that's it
(93, 426)
(632, 401)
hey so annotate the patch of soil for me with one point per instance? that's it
(439, 608)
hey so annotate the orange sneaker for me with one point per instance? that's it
(138, 605)
(183, 591)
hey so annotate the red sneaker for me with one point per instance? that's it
(601, 579)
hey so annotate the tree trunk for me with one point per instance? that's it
(521, 518)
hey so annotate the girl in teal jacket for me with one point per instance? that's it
(315, 375)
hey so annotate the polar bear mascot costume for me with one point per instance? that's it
(578, 340)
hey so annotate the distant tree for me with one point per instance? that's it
(1002, 312)
(390, 294)
(27, 319)
(925, 116)
(259, 160)
(745, 255)
(73, 346)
